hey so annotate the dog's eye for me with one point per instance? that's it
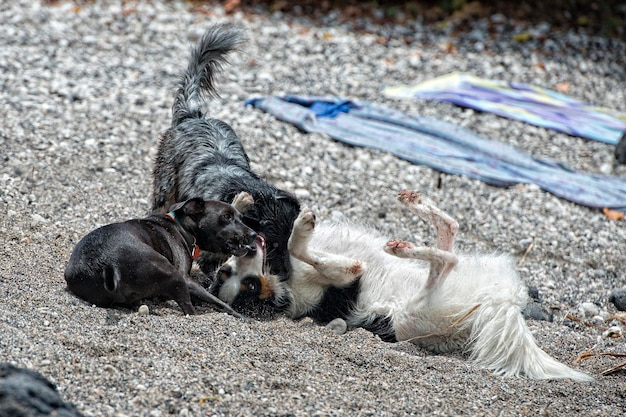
(227, 217)
(252, 286)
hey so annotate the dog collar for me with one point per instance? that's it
(195, 250)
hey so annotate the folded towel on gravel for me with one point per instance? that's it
(528, 103)
(443, 146)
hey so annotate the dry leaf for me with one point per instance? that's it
(382, 40)
(563, 87)
(231, 5)
(613, 214)
(522, 37)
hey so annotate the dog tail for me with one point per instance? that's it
(206, 60)
(501, 341)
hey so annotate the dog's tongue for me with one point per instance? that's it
(260, 240)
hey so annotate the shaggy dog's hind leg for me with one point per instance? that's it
(442, 260)
(445, 226)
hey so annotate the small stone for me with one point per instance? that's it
(536, 311)
(302, 193)
(589, 309)
(38, 219)
(618, 298)
(337, 326)
(613, 332)
(143, 310)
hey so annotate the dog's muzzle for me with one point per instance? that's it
(243, 245)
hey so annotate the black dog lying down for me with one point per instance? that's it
(203, 157)
(122, 263)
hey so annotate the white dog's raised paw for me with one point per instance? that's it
(397, 247)
(243, 201)
(305, 223)
(409, 197)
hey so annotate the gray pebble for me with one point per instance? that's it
(337, 326)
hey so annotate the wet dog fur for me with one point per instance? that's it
(202, 156)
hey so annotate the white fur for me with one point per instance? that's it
(495, 334)
(444, 302)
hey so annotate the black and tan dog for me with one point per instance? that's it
(201, 156)
(123, 263)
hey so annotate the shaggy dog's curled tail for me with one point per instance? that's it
(206, 60)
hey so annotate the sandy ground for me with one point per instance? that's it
(86, 91)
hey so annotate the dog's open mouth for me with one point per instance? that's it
(240, 248)
(259, 246)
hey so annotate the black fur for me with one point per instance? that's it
(338, 303)
(200, 156)
(123, 263)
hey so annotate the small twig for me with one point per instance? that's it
(445, 329)
(528, 249)
(619, 316)
(614, 369)
(588, 355)
(585, 323)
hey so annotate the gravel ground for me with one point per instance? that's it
(86, 91)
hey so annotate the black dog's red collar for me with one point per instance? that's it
(195, 250)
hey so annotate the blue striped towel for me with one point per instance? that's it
(443, 146)
(528, 103)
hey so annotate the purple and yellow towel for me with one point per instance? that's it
(444, 146)
(528, 103)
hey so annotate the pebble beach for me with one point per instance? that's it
(86, 91)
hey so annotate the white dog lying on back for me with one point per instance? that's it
(427, 295)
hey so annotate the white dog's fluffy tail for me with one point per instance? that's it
(501, 341)
(486, 299)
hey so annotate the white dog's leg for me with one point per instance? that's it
(441, 262)
(441, 258)
(445, 226)
(336, 270)
(242, 202)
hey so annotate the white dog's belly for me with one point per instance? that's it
(394, 287)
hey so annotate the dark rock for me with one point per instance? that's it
(536, 311)
(26, 393)
(533, 293)
(618, 298)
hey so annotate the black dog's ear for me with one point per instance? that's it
(285, 195)
(189, 207)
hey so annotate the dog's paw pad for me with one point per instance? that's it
(409, 197)
(397, 246)
(357, 268)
